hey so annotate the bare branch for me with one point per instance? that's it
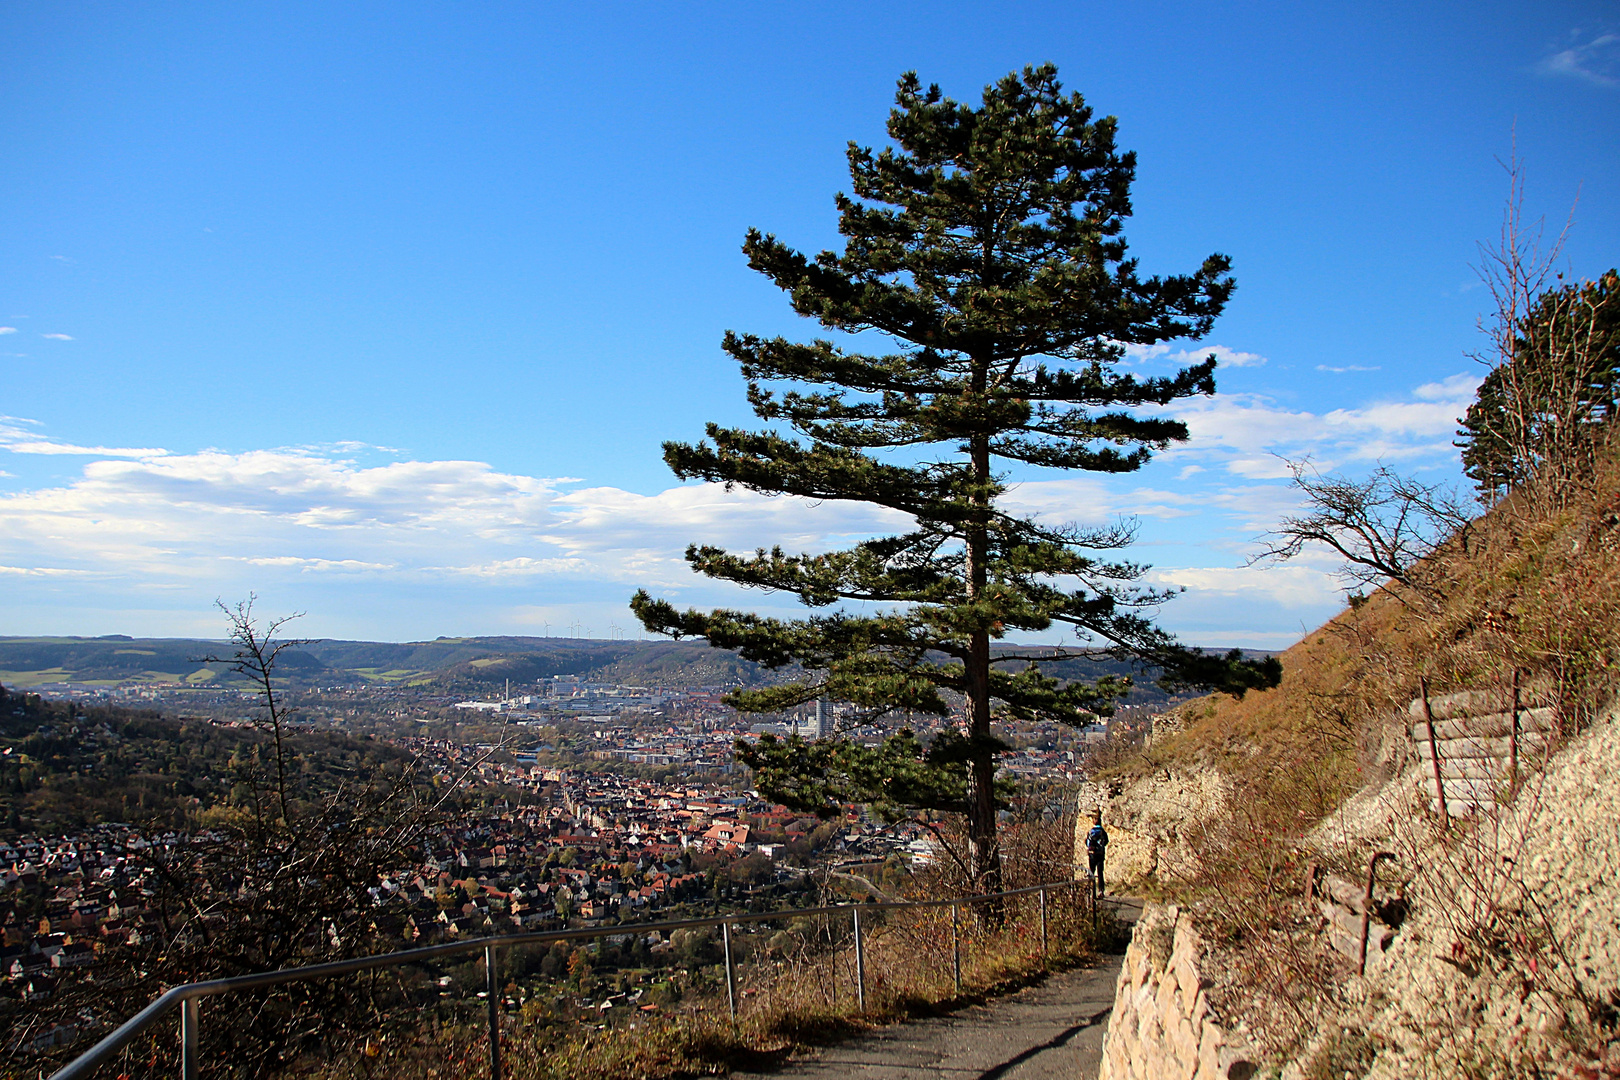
(1384, 528)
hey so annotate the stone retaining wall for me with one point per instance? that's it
(1161, 1027)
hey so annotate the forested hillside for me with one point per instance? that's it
(64, 767)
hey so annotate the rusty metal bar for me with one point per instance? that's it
(1367, 903)
(1434, 755)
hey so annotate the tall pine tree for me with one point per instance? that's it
(986, 246)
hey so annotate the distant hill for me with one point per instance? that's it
(470, 664)
(473, 662)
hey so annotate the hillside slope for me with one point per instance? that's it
(1507, 954)
(64, 767)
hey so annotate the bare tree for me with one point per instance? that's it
(255, 656)
(292, 882)
(1385, 529)
(1543, 407)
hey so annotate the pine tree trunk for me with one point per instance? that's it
(984, 851)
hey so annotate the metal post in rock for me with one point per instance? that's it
(493, 990)
(860, 963)
(190, 1033)
(731, 970)
(1367, 903)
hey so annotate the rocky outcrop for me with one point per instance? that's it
(1161, 1027)
(1156, 823)
(1510, 963)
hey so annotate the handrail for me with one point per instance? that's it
(186, 993)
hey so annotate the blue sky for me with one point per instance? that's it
(383, 311)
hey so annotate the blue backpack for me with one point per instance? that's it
(1096, 840)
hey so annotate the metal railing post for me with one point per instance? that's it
(190, 1032)
(731, 970)
(492, 986)
(1043, 923)
(860, 964)
(832, 947)
(1091, 902)
(956, 945)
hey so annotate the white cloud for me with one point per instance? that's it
(521, 567)
(1244, 432)
(8, 329)
(17, 436)
(1290, 585)
(294, 562)
(1095, 500)
(1451, 388)
(391, 548)
(46, 446)
(192, 517)
(58, 337)
(1347, 368)
(1596, 62)
(1163, 353)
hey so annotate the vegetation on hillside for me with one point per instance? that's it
(1529, 590)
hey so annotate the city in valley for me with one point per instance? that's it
(583, 803)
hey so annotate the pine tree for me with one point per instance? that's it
(986, 245)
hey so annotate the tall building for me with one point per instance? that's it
(818, 727)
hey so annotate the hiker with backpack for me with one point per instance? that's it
(1096, 850)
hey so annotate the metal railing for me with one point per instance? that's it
(188, 996)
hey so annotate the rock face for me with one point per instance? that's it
(1155, 823)
(1510, 965)
(1161, 1027)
